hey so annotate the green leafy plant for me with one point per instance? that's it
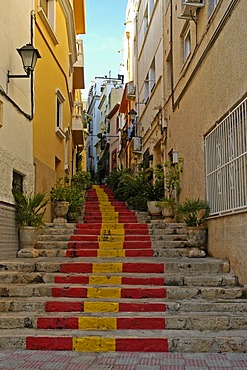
(172, 173)
(30, 209)
(76, 201)
(59, 192)
(194, 211)
(129, 187)
(81, 180)
(155, 188)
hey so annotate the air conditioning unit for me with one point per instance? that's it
(189, 8)
(136, 143)
(130, 91)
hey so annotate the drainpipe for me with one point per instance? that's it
(171, 46)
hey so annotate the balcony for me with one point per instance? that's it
(78, 75)
(78, 130)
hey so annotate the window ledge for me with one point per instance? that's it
(48, 26)
(60, 133)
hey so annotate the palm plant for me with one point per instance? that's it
(194, 211)
(30, 209)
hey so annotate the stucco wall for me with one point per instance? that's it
(227, 239)
(201, 100)
(45, 179)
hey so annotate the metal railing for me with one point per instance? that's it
(226, 162)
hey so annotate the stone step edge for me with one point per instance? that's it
(143, 333)
(150, 341)
(123, 314)
(169, 280)
(87, 321)
(174, 304)
(165, 275)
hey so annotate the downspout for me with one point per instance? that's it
(171, 46)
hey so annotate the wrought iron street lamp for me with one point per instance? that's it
(29, 56)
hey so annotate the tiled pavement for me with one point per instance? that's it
(51, 360)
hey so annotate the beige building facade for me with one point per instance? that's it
(188, 86)
(16, 126)
(205, 114)
(144, 90)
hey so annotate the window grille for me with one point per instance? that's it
(226, 162)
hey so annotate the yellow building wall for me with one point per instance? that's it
(52, 72)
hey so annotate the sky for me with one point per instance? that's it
(103, 39)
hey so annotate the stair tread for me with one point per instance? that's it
(197, 300)
(149, 314)
(129, 333)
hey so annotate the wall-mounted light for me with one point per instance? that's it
(29, 56)
(132, 114)
(174, 156)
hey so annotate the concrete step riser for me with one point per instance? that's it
(162, 342)
(173, 253)
(166, 279)
(39, 304)
(169, 266)
(169, 292)
(160, 322)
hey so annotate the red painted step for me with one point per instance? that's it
(78, 306)
(83, 267)
(131, 293)
(94, 253)
(95, 244)
(81, 279)
(94, 238)
(122, 344)
(123, 323)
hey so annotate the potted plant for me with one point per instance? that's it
(168, 203)
(194, 213)
(30, 211)
(60, 201)
(168, 208)
(155, 191)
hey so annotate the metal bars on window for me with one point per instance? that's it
(226, 162)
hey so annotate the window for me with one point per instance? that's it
(150, 8)
(47, 12)
(17, 182)
(152, 76)
(44, 6)
(49, 9)
(146, 89)
(59, 113)
(211, 6)
(226, 162)
(145, 21)
(187, 45)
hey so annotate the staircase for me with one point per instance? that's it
(113, 284)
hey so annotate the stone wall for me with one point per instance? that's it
(13, 162)
(8, 231)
